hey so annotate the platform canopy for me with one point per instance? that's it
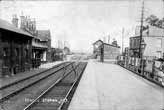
(9, 27)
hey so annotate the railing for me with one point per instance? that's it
(150, 69)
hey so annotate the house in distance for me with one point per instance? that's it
(104, 51)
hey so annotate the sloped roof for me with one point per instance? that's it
(112, 45)
(43, 35)
(97, 42)
(7, 26)
(100, 41)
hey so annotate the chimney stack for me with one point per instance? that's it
(15, 20)
(22, 21)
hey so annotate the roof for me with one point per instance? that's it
(9, 27)
(105, 43)
(98, 41)
(39, 46)
(43, 35)
(150, 31)
(111, 45)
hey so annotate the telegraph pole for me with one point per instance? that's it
(141, 30)
(109, 39)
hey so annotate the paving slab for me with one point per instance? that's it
(107, 86)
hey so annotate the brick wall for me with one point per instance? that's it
(13, 58)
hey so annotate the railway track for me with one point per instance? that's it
(16, 87)
(19, 81)
(59, 94)
(15, 97)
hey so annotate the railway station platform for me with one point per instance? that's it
(9, 80)
(108, 86)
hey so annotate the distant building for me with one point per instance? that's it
(56, 54)
(105, 51)
(66, 51)
(153, 37)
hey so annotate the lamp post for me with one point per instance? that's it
(143, 45)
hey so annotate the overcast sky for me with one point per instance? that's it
(82, 22)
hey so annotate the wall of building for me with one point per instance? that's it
(6, 53)
(0, 55)
(96, 48)
(42, 45)
(154, 46)
(105, 51)
(134, 42)
(111, 52)
(48, 56)
(15, 52)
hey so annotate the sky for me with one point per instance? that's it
(80, 23)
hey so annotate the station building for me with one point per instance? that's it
(15, 49)
(105, 51)
(153, 38)
(41, 43)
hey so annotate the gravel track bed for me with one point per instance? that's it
(23, 98)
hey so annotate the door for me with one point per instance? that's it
(6, 60)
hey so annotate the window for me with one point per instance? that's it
(0, 36)
(26, 53)
(5, 52)
(159, 43)
(138, 43)
(130, 43)
(159, 54)
(134, 42)
(17, 52)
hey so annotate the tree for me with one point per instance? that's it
(155, 21)
(152, 19)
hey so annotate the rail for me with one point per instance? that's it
(7, 96)
(52, 86)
